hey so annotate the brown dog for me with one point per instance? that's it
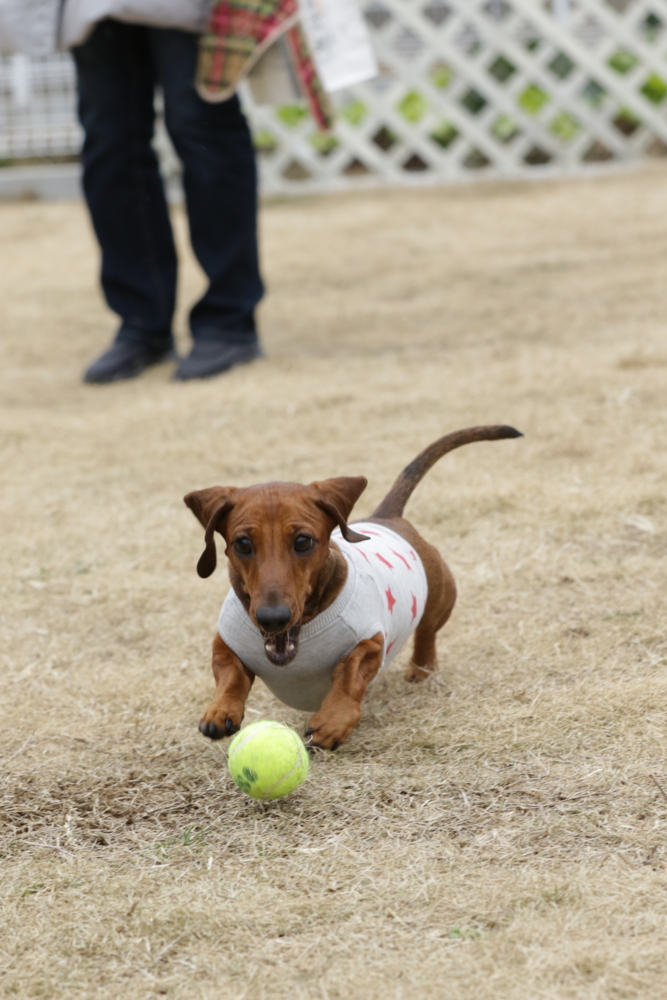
(289, 581)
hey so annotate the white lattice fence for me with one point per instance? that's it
(467, 88)
(498, 87)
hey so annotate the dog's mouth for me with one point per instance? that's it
(282, 647)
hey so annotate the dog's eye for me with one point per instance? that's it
(243, 546)
(303, 543)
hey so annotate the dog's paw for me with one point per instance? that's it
(218, 722)
(328, 728)
(415, 674)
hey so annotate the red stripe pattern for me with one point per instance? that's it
(398, 579)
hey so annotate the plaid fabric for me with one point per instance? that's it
(239, 31)
(320, 105)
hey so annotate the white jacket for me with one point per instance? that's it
(29, 26)
(385, 592)
(40, 27)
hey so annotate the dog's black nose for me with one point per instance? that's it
(273, 619)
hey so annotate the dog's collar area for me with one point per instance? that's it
(282, 647)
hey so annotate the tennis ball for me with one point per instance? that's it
(267, 760)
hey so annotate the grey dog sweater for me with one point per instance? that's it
(385, 592)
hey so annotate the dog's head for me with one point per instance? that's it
(277, 542)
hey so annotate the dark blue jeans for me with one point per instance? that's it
(118, 68)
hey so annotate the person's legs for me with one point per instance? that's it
(124, 191)
(220, 181)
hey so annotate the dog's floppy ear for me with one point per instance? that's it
(337, 497)
(211, 508)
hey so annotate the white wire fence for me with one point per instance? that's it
(37, 108)
(467, 88)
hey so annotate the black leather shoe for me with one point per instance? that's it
(127, 359)
(212, 357)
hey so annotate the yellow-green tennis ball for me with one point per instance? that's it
(267, 760)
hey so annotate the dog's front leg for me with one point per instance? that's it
(341, 709)
(223, 716)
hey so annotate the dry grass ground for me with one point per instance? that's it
(498, 832)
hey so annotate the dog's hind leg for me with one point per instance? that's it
(439, 606)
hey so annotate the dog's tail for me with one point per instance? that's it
(397, 497)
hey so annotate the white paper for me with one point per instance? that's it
(339, 42)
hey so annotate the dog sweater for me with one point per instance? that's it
(385, 592)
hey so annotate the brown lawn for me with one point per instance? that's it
(497, 833)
